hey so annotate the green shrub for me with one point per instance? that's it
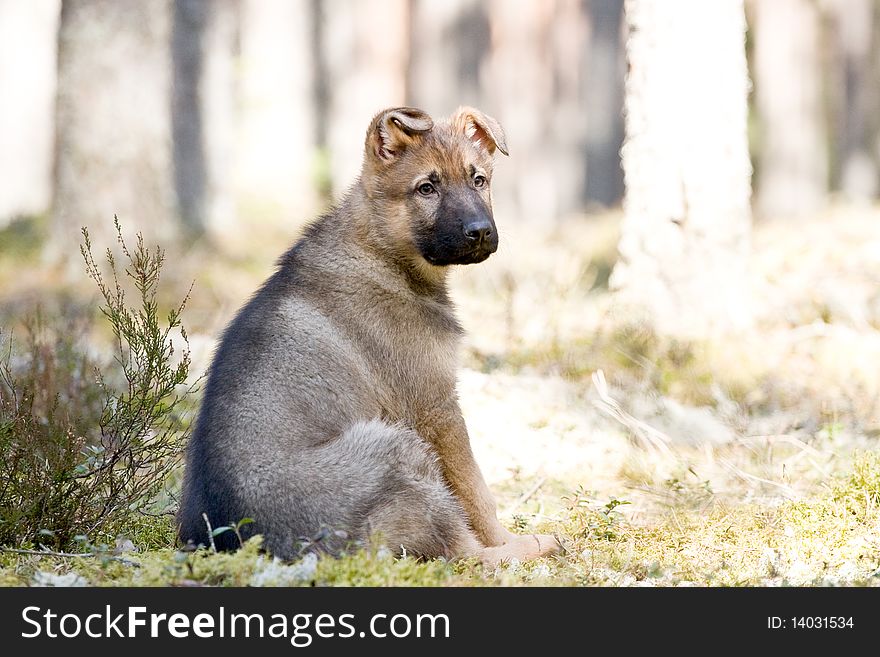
(83, 447)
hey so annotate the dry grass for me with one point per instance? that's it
(769, 473)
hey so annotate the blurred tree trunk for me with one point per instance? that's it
(450, 45)
(793, 162)
(520, 80)
(364, 56)
(275, 171)
(685, 236)
(856, 99)
(554, 112)
(566, 127)
(204, 45)
(603, 102)
(28, 38)
(113, 127)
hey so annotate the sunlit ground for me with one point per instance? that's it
(744, 460)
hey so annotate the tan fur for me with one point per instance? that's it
(331, 401)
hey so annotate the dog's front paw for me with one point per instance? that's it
(520, 547)
(544, 544)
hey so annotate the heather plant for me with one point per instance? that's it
(85, 446)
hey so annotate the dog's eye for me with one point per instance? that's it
(426, 189)
(479, 181)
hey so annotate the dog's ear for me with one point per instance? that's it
(394, 129)
(484, 131)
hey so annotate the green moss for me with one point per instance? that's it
(826, 539)
(863, 483)
(829, 539)
(374, 568)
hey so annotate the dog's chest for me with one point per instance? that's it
(417, 360)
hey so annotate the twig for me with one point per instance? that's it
(819, 468)
(650, 436)
(525, 497)
(49, 553)
(779, 438)
(210, 533)
(787, 490)
(161, 514)
(72, 555)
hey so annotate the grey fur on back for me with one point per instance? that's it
(305, 422)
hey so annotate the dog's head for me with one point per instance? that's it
(430, 183)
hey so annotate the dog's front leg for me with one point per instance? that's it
(450, 439)
(446, 431)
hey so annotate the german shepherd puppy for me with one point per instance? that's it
(330, 411)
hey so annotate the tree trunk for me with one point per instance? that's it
(204, 48)
(190, 166)
(793, 162)
(364, 51)
(517, 79)
(603, 103)
(568, 120)
(855, 171)
(278, 131)
(28, 37)
(113, 128)
(451, 43)
(685, 236)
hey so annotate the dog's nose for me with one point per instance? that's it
(478, 231)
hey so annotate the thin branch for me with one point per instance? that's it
(525, 497)
(788, 491)
(49, 553)
(210, 532)
(72, 555)
(650, 436)
(779, 438)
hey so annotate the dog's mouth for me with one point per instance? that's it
(472, 256)
(478, 255)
